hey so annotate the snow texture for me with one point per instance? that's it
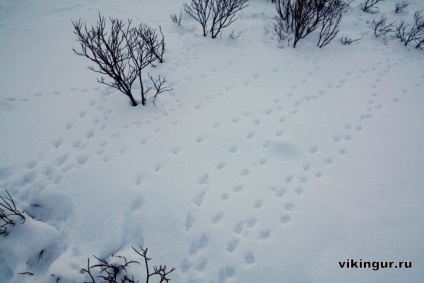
(264, 164)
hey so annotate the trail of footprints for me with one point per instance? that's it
(248, 228)
(74, 148)
(292, 184)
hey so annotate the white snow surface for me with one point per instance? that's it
(265, 163)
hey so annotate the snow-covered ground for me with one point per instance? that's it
(264, 164)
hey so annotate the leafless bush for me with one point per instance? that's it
(381, 26)
(400, 6)
(118, 272)
(298, 18)
(347, 41)
(8, 212)
(412, 32)
(369, 6)
(200, 11)
(149, 36)
(331, 18)
(121, 54)
(177, 19)
(222, 13)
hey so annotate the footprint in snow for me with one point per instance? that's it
(198, 244)
(249, 258)
(232, 245)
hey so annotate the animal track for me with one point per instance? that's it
(82, 159)
(198, 244)
(217, 217)
(90, 134)
(264, 234)
(61, 159)
(285, 218)
(204, 179)
(232, 245)
(289, 206)
(249, 257)
(313, 149)
(57, 143)
(30, 164)
(262, 161)
(189, 221)
(220, 165)
(198, 199)
(258, 204)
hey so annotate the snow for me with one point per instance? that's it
(263, 164)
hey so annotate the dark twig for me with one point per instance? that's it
(345, 40)
(158, 85)
(8, 210)
(368, 4)
(177, 19)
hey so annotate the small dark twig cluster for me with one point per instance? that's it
(347, 41)
(158, 85)
(118, 272)
(400, 6)
(233, 35)
(369, 6)
(177, 19)
(8, 211)
(381, 26)
(222, 13)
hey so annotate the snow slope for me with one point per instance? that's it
(264, 164)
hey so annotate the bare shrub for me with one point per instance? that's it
(200, 11)
(369, 6)
(150, 37)
(8, 213)
(381, 26)
(331, 18)
(222, 13)
(118, 272)
(298, 18)
(412, 32)
(400, 6)
(121, 54)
